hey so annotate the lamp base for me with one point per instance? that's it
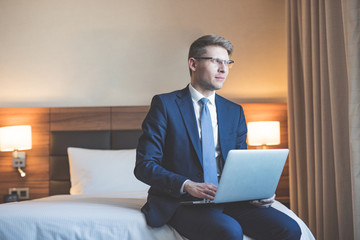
(264, 146)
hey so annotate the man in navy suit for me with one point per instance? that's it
(170, 159)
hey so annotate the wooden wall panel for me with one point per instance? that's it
(80, 118)
(44, 120)
(37, 159)
(269, 112)
(123, 118)
(273, 112)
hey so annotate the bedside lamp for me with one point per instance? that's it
(16, 139)
(263, 133)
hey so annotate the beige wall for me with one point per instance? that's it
(115, 52)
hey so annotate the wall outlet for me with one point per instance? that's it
(23, 193)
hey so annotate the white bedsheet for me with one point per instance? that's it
(95, 216)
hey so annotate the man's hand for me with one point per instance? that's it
(263, 203)
(200, 190)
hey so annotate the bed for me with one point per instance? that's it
(96, 168)
(88, 216)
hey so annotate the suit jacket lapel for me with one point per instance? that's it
(224, 124)
(186, 108)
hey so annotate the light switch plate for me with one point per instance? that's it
(19, 160)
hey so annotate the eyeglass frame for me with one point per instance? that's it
(219, 61)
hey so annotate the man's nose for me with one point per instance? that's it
(222, 67)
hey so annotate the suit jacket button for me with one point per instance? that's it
(200, 175)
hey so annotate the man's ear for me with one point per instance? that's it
(192, 64)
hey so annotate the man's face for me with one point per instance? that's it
(208, 76)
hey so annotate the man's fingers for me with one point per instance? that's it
(263, 203)
(210, 189)
(206, 190)
(268, 200)
(212, 186)
(209, 194)
(201, 190)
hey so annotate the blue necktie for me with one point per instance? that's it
(207, 144)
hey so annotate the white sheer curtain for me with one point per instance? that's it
(324, 115)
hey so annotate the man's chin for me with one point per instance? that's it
(214, 87)
(218, 86)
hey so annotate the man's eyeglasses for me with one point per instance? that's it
(218, 61)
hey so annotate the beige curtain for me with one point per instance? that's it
(352, 25)
(324, 115)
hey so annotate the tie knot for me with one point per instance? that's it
(204, 101)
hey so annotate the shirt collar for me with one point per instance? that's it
(196, 96)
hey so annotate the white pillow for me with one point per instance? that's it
(96, 171)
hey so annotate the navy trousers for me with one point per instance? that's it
(232, 220)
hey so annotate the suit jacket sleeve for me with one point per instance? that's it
(150, 152)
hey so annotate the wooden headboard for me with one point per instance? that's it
(94, 127)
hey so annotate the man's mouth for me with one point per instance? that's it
(220, 78)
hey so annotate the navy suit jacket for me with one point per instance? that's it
(169, 150)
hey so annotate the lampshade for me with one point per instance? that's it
(263, 133)
(15, 138)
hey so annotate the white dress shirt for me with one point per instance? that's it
(196, 96)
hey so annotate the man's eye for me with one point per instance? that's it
(218, 61)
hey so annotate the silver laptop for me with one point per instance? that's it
(249, 175)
